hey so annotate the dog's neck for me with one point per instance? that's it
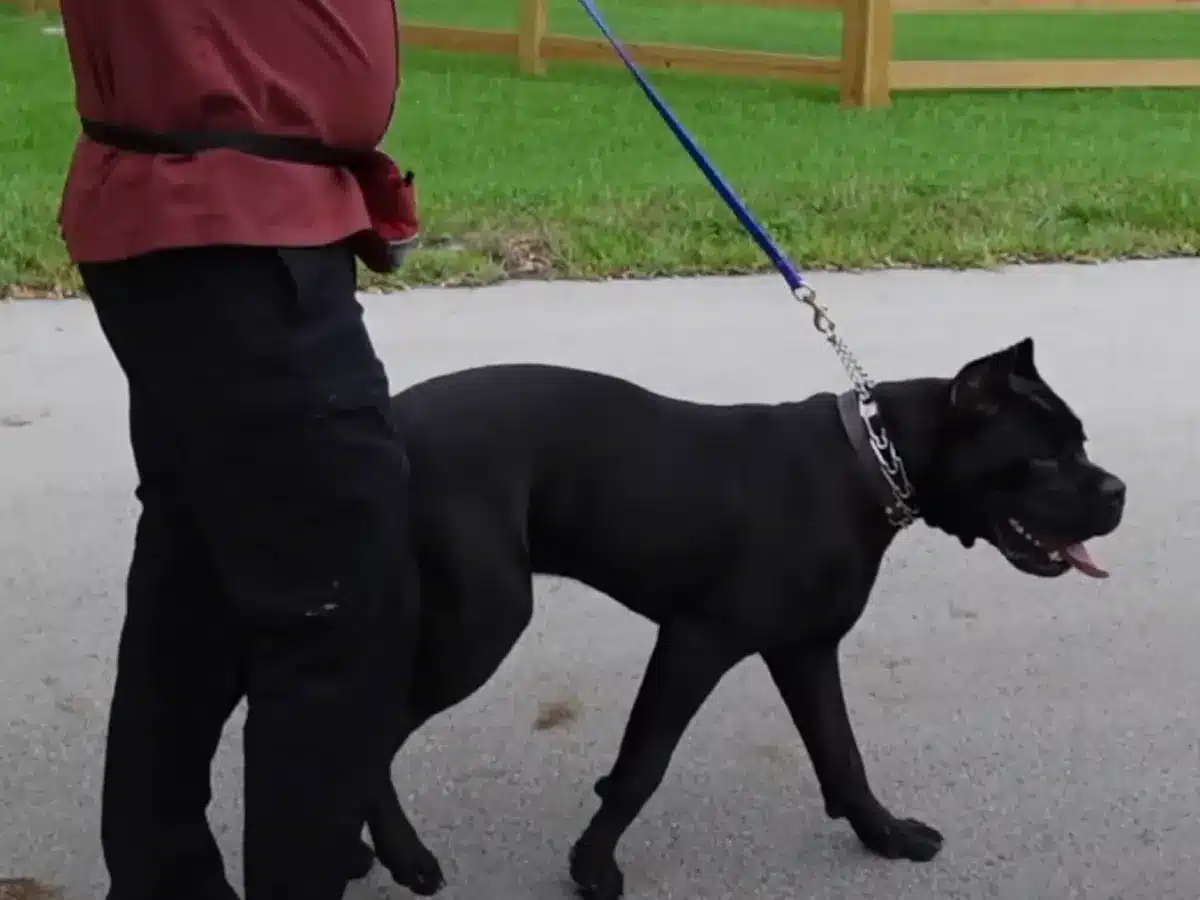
(914, 414)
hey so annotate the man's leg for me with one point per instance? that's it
(178, 679)
(261, 361)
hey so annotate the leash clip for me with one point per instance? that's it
(881, 445)
(808, 296)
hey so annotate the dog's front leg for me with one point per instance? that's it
(688, 661)
(810, 681)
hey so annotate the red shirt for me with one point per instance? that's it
(326, 69)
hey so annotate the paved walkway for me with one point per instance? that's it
(1050, 729)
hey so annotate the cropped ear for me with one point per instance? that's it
(1022, 357)
(979, 386)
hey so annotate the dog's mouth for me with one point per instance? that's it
(1036, 555)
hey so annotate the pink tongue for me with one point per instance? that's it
(1077, 555)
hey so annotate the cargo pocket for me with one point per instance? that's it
(328, 339)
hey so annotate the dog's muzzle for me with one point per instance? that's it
(1039, 555)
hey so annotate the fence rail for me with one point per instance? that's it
(865, 73)
(924, 75)
(942, 6)
(535, 52)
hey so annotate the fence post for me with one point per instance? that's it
(866, 53)
(531, 30)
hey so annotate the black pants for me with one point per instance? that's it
(271, 562)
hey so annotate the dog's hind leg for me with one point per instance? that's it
(688, 662)
(477, 603)
(398, 846)
(394, 841)
(810, 681)
(362, 861)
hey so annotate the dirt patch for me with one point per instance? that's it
(34, 292)
(554, 714)
(27, 889)
(528, 257)
(773, 752)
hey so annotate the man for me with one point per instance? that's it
(215, 209)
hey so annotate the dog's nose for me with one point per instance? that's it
(1112, 490)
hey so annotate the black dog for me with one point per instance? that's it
(739, 530)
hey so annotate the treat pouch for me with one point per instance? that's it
(391, 201)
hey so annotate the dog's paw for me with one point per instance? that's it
(901, 839)
(362, 861)
(417, 869)
(596, 874)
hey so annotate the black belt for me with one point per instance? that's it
(284, 148)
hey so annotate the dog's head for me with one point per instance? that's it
(1011, 469)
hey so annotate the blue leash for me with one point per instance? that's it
(902, 511)
(789, 272)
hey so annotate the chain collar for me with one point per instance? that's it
(883, 471)
(898, 499)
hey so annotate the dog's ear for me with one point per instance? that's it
(980, 385)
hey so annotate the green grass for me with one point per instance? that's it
(574, 175)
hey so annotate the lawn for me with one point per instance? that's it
(574, 175)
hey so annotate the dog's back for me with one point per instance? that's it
(505, 423)
(603, 480)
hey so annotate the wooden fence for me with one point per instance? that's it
(865, 73)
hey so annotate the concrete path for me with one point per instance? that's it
(1050, 729)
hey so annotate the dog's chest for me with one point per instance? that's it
(809, 597)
